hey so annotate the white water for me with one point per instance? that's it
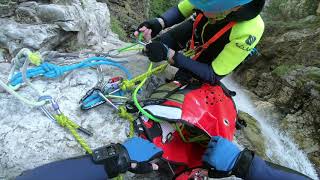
(282, 150)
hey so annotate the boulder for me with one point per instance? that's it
(15, 36)
(251, 136)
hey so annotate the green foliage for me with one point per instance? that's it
(283, 70)
(116, 28)
(157, 7)
(274, 8)
(314, 75)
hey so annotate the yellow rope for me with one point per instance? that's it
(120, 177)
(123, 113)
(35, 58)
(64, 121)
(128, 85)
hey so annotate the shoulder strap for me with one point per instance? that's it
(214, 38)
(195, 25)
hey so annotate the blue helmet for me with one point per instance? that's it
(217, 6)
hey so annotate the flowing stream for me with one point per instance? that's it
(281, 149)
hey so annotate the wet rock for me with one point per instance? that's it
(7, 8)
(287, 72)
(304, 127)
(251, 136)
(268, 110)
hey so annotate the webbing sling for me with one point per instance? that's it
(211, 40)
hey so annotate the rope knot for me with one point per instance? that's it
(62, 120)
(123, 113)
(51, 70)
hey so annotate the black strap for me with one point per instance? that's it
(227, 91)
(240, 124)
(243, 163)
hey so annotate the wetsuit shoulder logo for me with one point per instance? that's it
(251, 39)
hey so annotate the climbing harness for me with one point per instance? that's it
(194, 51)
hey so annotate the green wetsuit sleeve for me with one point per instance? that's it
(185, 8)
(243, 38)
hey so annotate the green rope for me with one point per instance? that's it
(21, 98)
(180, 133)
(136, 102)
(64, 121)
(127, 48)
(130, 84)
(130, 47)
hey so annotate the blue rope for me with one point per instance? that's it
(49, 70)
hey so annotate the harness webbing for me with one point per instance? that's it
(213, 39)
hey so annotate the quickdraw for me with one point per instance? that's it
(64, 121)
(115, 89)
(93, 99)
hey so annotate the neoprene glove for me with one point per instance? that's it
(133, 150)
(221, 154)
(152, 24)
(156, 51)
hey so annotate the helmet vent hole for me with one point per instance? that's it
(226, 122)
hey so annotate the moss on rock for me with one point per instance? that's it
(157, 7)
(117, 28)
(284, 69)
(251, 136)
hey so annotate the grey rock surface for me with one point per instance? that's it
(15, 36)
(55, 23)
(291, 9)
(29, 139)
(251, 136)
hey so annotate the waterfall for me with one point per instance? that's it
(282, 149)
